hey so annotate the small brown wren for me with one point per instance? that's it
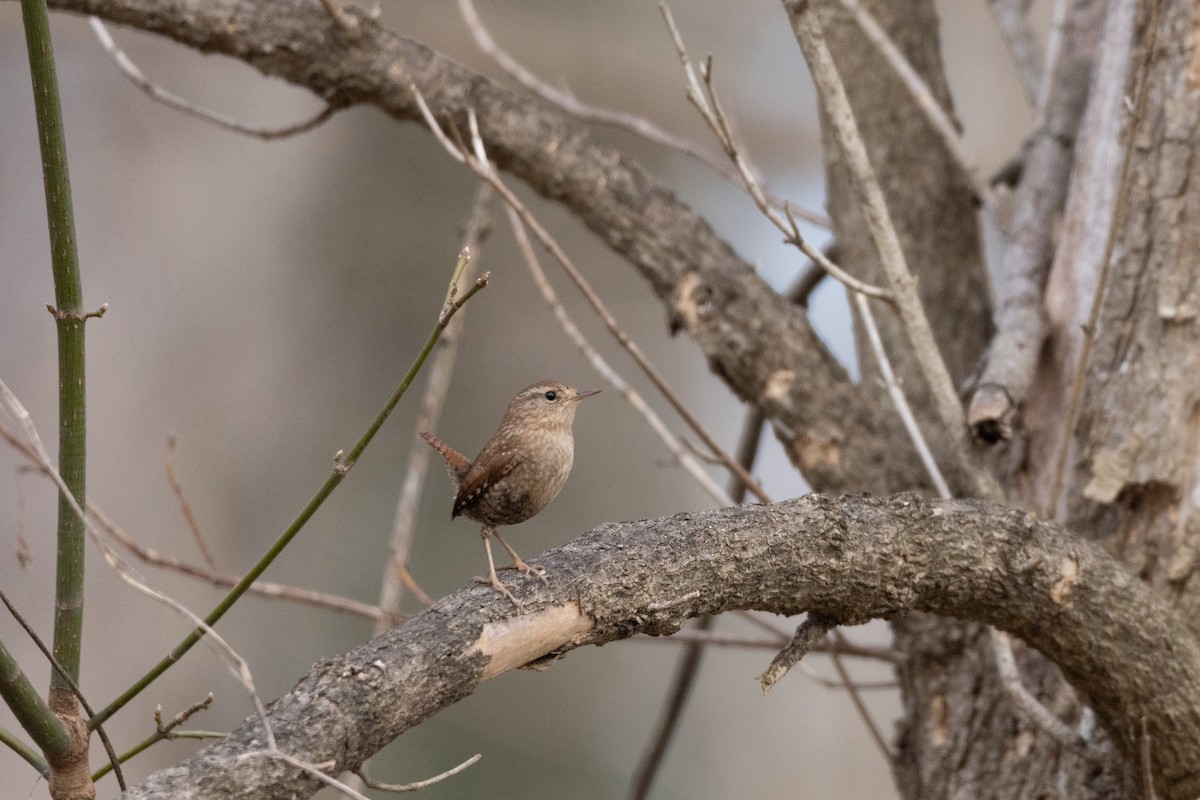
(520, 469)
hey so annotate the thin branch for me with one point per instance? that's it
(1012, 18)
(1029, 706)
(922, 95)
(268, 589)
(412, 787)
(339, 15)
(70, 317)
(859, 705)
(844, 129)
(130, 70)
(185, 507)
(1145, 763)
(484, 169)
(162, 732)
(236, 664)
(718, 639)
(277, 591)
(903, 409)
(812, 630)
(1054, 40)
(633, 123)
(342, 467)
(706, 102)
(688, 668)
(314, 770)
(432, 401)
(18, 746)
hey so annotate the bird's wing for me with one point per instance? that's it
(488, 468)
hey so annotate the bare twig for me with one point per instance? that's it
(396, 575)
(718, 639)
(1029, 706)
(897, 395)
(113, 760)
(185, 508)
(688, 668)
(1145, 766)
(887, 243)
(312, 769)
(859, 705)
(154, 91)
(705, 99)
(343, 20)
(236, 664)
(610, 322)
(1013, 20)
(164, 731)
(604, 116)
(276, 591)
(937, 116)
(412, 787)
(812, 630)
(1054, 39)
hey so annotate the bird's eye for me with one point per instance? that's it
(551, 395)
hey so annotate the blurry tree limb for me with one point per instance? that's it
(758, 342)
(640, 126)
(855, 558)
(1012, 18)
(155, 92)
(1020, 317)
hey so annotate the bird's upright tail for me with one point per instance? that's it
(456, 463)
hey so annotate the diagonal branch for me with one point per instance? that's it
(707, 290)
(853, 559)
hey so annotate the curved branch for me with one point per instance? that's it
(850, 559)
(758, 342)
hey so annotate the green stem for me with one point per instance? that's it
(38, 720)
(340, 470)
(68, 298)
(10, 740)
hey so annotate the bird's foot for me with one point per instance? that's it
(524, 568)
(494, 581)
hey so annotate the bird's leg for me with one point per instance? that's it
(519, 563)
(492, 577)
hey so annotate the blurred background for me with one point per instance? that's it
(265, 299)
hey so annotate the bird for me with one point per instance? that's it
(519, 471)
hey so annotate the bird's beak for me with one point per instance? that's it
(588, 393)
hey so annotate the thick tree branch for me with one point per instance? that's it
(852, 559)
(760, 344)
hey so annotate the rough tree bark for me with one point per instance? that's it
(1129, 484)
(852, 560)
